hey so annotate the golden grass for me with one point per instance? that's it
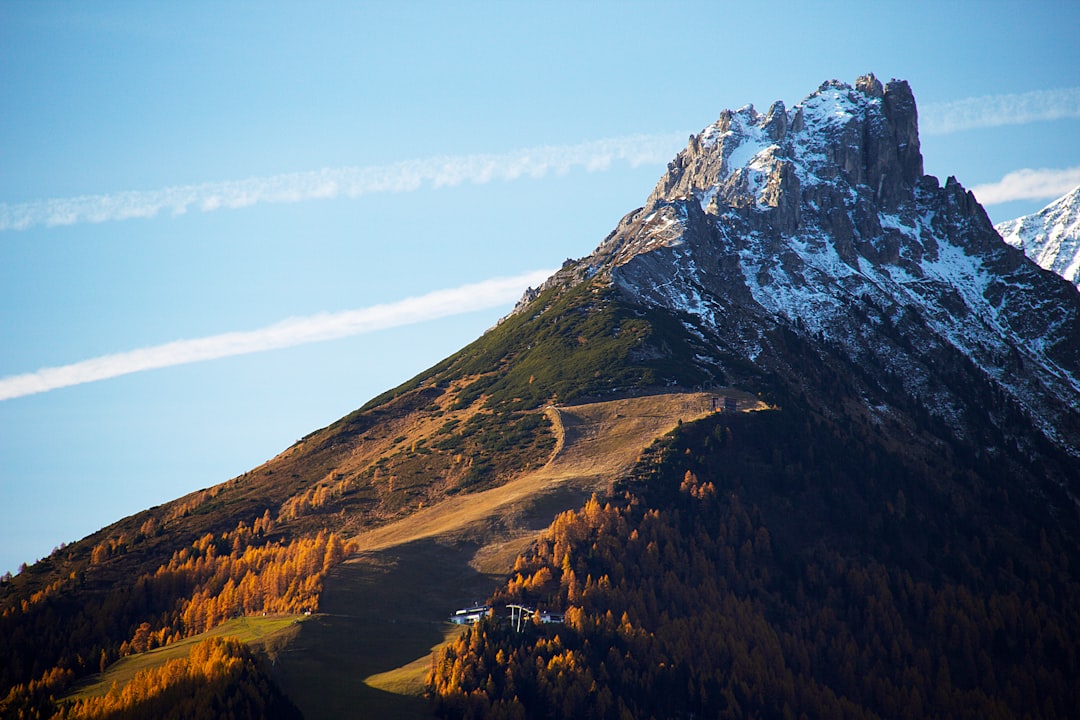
(595, 443)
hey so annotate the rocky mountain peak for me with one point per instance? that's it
(818, 222)
(864, 136)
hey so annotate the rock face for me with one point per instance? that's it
(1050, 237)
(865, 136)
(810, 238)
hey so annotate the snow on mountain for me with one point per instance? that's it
(818, 223)
(1050, 237)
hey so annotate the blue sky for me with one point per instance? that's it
(190, 171)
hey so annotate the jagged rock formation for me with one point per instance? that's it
(816, 227)
(1050, 237)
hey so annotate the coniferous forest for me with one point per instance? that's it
(766, 566)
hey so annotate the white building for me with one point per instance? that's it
(470, 615)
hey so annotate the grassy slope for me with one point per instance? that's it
(570, 343)
(457, 431)
(383, 611)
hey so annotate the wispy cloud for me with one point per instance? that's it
(408, 176)
(995, 110)
(288, 333)
(1029, 184)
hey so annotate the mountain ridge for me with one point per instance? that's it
(794, 238)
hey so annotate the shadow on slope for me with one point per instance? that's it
(380, 610)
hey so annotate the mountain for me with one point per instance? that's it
(882, 522)
(855, 550)
(1050, 237)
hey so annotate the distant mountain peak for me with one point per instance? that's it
(1050, 237)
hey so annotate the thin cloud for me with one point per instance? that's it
(288, 333)
(351, 182)
(996, 110)
(1029, 184)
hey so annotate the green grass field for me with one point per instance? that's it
(268, 633)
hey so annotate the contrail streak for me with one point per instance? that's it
(407, 176)
(288, 333)
(995, 110)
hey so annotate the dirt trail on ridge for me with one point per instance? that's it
(595, 444)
